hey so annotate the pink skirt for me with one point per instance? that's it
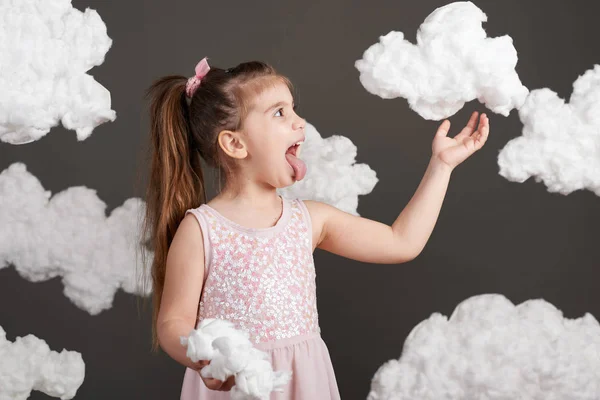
(306, 356)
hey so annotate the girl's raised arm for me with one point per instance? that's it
(370, 241)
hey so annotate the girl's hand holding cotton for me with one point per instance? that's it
(229, 353)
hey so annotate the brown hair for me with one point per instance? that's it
(182, 134)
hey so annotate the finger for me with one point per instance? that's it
(484, 131)
(443, 129)
(212, 383)
(469, 128)
(228, 384)
(482, 120)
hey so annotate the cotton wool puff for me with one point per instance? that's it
(491, 349)
(453, 62)
(28, 364)
(46, 48)
(232, 354)
(332, 176)
(68, 235)
(560, 142)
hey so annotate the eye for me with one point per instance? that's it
(279, 111)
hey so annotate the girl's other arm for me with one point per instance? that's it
(370, 241)
(181, 294)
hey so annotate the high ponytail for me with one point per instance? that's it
(176, 181)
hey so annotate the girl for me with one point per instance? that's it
(247, 254)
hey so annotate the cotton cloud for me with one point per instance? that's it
(28, 364)
(232, 354)
(452, 63)
(46, 48)
(560, 145)
(333, 177)
(491, 349)
(69, 236)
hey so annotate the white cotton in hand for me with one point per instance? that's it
(453, 62)
(232, 354)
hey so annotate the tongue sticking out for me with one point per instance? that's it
(298, 165)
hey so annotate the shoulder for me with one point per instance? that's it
(187, 236)
(320, 213)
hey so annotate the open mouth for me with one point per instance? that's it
(295, 149)
(292, 156)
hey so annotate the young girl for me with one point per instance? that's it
(247, 255)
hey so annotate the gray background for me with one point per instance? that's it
(493, 236)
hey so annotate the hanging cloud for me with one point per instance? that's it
(333, 177)
(69, 236)
(46, 48)
(560, 145)
(491, 349)
(453, 62)
(28, 364)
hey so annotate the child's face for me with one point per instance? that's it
(270, 129)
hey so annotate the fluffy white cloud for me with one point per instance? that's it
(70, 236)
(231, 353)
(46, 48)
(28, 364)
(491, 349)
(452, 63)
(333, 176)
(560, 145)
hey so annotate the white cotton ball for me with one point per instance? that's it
(69, 235)
(560, 145)
(453, 62)
(28, 364)
(47, 47)
(332, 176)
(232, 354)
(490, 348)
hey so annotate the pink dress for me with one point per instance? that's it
(263, 281)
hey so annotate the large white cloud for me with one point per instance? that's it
(46, 48)
(333, 176)
(70, 236)
(28, 364)
(491, 349)
(452, 63)
(560, 144)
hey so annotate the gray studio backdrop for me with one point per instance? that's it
(493, 236)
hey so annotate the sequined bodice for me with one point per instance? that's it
(262, 280)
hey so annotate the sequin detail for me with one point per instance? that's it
(263, 283)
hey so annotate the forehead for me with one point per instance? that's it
(269, 93)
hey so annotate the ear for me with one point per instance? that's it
(232, 144)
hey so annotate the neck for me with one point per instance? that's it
(251, 195)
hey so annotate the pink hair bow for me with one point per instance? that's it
(192, 84)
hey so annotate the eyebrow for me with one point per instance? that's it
(278, 104)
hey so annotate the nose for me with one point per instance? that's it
(299, 123)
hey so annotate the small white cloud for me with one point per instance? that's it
(333, 177)
(452, 63)
(231, 353)
(560, 145)
(70, 236)
(46, 48)
(28, 364)
(491, 349)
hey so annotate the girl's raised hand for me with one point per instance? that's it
(214, 384)
(453, 151)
